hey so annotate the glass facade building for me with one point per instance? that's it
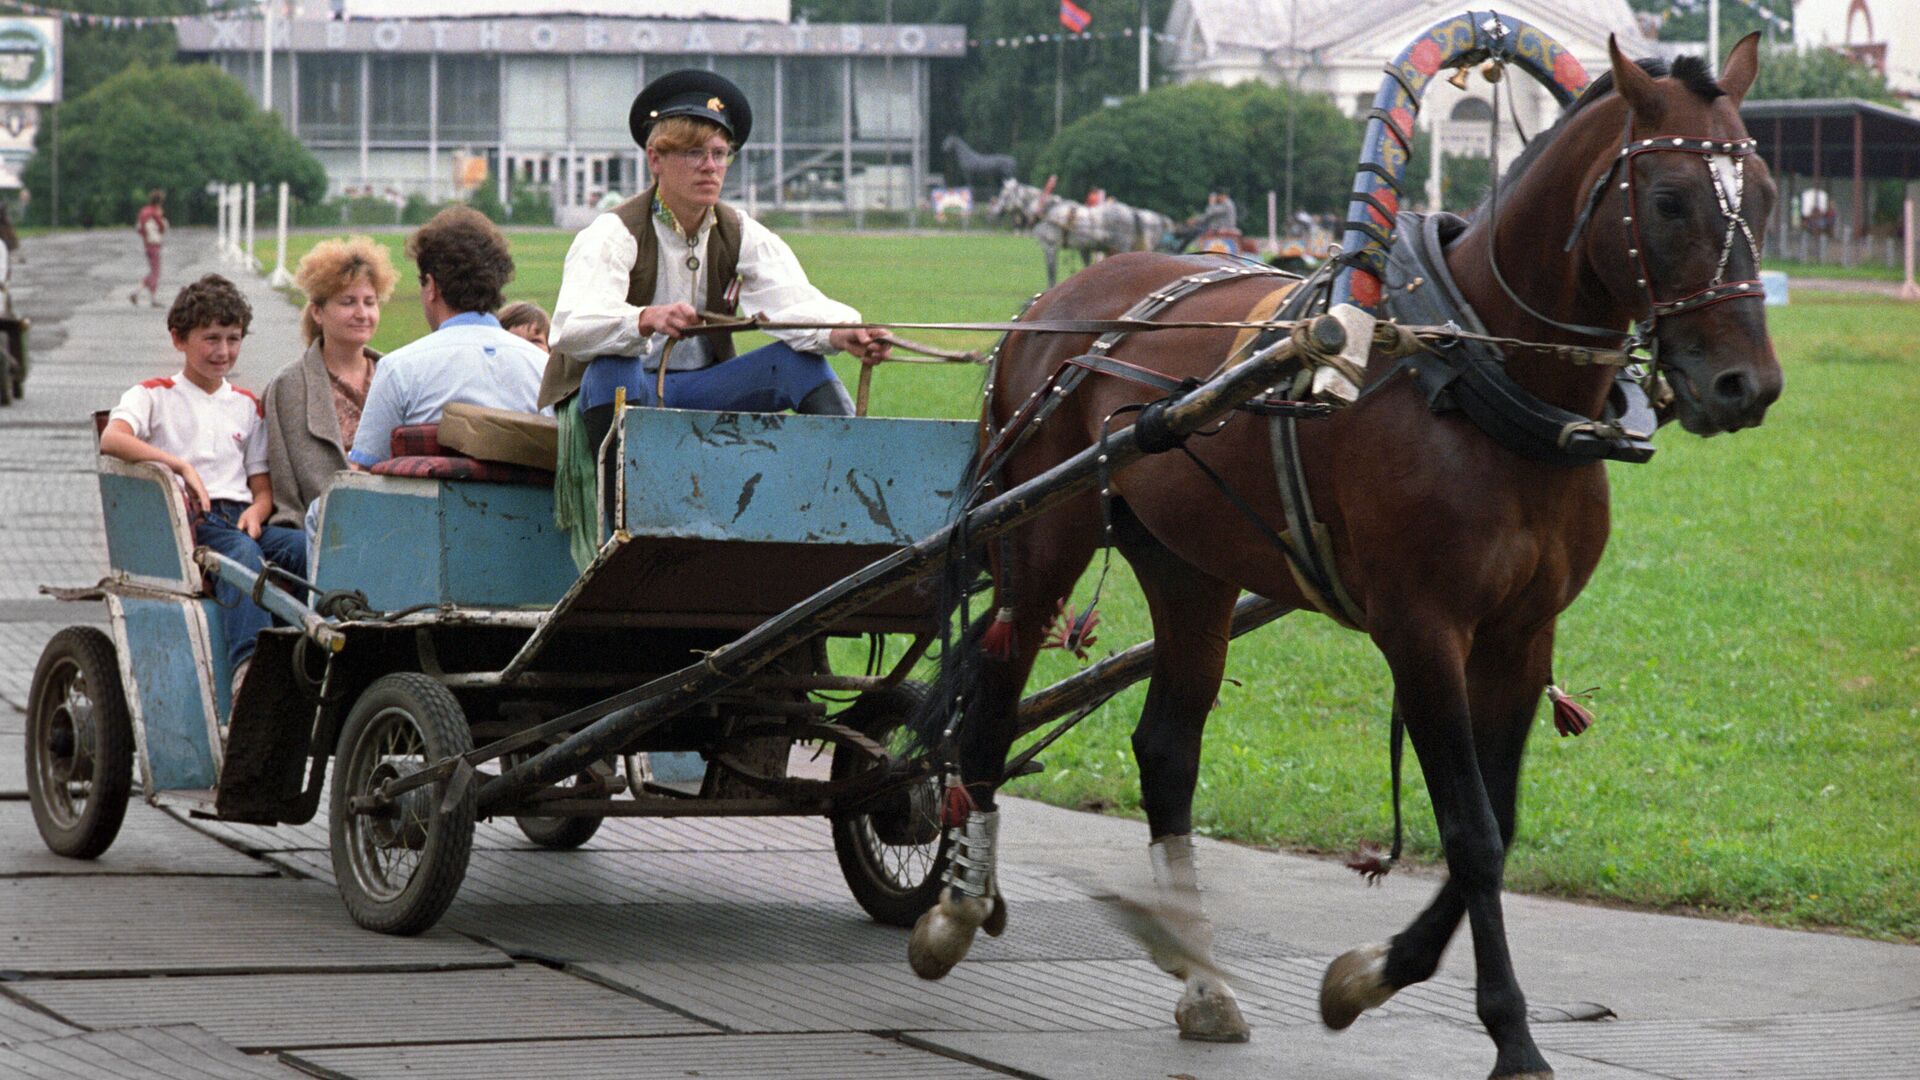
(430, 107)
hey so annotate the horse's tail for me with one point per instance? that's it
(961, 576)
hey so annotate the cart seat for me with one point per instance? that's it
(417, 453)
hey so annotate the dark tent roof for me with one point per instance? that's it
(1889, 138)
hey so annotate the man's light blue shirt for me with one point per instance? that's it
(469, 359)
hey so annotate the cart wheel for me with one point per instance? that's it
(894, 855)
(557, 833)
(79, 744)
(10, 377)
(19, 377)
(399, 868)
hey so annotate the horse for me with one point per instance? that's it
(1458, 553)
(1058, 222)
(980, 170)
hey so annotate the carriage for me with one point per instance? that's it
(444, 612)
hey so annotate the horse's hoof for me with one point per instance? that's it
(1531, 1074)
(1354, 983)
(1209, 1013)
(945, 932)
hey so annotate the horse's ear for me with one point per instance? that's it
(1634, 84)
(1051, 180)
(1743, 63)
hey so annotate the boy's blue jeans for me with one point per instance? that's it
(239, 616)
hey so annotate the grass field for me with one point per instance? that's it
(1752, 632)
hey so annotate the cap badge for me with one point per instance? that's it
(716, 104)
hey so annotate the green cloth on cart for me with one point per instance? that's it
(576, 490)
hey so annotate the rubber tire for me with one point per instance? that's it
(93, 830)
(444, 731)
(558, 833)
(879, 714)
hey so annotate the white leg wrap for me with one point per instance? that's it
(970, 901)
(1208, 1010)
(975, 842)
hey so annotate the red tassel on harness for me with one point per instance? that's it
(997, 642)
(958, 805)
(1072, 633)
(1370, 863)
(1569, 716)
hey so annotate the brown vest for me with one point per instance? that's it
(564, 372)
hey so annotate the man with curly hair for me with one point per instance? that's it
(464, 267)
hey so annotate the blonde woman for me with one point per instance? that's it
(313, 405)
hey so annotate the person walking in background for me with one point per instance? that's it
(151, 224)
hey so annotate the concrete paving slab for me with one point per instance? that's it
(148, 1053)
(616, 834)
(104, 926)
(794, 933)
(258, 1012)
(1377, 1048)
(13, 762)
(711, 1057)
(150, 843)
(986, 995)
(496, 876)
(22, 1023)
(1875, 1044)
(1640, 964)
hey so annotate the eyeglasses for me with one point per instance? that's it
(696, 158)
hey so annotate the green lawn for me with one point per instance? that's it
(1752, 631)
(1836, 272)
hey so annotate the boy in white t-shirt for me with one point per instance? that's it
(212, 435)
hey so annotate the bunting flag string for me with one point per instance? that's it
(124, 22)
(1692, 7)
(1019, 40)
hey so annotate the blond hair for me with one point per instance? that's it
(333, 267)
(683, 133)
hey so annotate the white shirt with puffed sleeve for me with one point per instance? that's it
(592, 317)
(223, 435)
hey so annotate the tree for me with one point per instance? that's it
(1817, 73)
(1168, 148)
(174, 127)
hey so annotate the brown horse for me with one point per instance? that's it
(1458, 553)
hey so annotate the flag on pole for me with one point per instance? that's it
(1074, 17)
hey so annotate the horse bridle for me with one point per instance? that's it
(1734, 153)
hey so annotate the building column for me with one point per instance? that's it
(433, 127)
(366, 119)
(780, 131)
(846, 135)
(1859, 177)
(502, 180)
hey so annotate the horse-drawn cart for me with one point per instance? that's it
(448, 659)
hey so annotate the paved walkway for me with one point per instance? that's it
(731, 949)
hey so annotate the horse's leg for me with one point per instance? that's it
(1053, 260)
(1429, 661)
(1038, 567)
(1504, 684)
(1192, 622)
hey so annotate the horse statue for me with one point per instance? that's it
(1451, 513)
(1058, 222)
(980, 170)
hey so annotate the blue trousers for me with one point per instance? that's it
(772, 378)
(240, 618)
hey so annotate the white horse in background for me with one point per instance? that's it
(1058, 222)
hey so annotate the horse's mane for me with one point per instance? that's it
(1690, 70)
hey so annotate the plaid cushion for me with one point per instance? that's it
(415, 440)
(441, 467)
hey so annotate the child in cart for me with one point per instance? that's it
(212, 435)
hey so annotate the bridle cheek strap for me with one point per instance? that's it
(1722, 158)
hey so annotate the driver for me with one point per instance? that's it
(641, 274)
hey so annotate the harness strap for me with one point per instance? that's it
(1311, 552)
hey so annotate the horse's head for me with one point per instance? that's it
(951, 143)
(1673, 227)
(1012, 199)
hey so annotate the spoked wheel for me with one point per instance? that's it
(894, 855)
(79, 744)
(399, 866)
(560, 833)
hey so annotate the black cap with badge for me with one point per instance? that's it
(691, 92)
